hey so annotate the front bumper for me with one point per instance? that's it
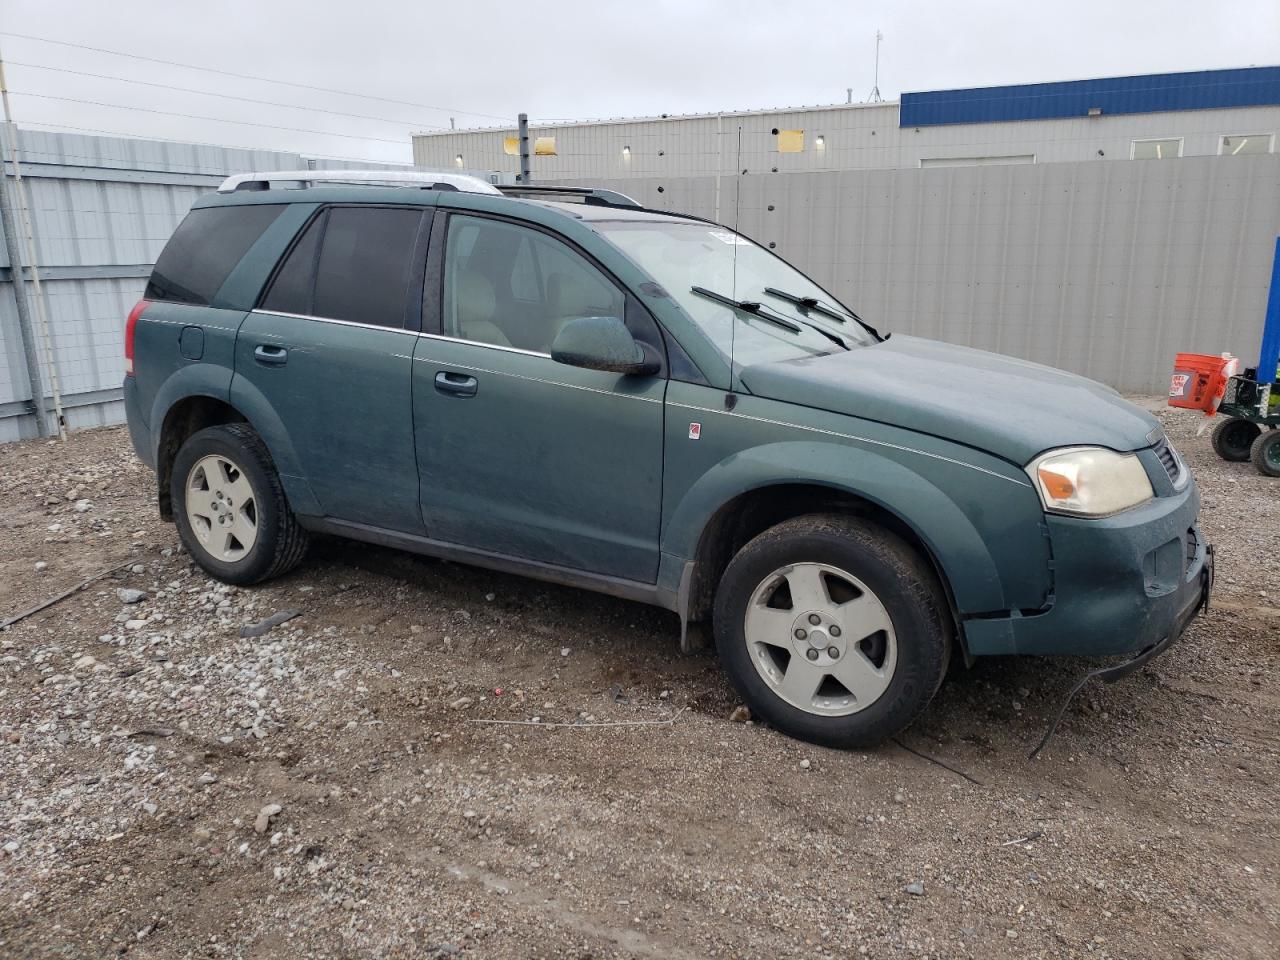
(1122, 585)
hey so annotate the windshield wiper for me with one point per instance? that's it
(817, 306)
(756, 309)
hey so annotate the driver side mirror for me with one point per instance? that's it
(601, 343)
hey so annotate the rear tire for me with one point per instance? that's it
(833, 630)
(230, 507)
(1265, 453)
(1233, 437)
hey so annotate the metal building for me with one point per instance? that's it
(1170, 116)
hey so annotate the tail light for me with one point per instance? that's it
(130, 326)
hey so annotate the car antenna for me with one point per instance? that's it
(730, 398)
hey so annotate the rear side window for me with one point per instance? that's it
(363, 275)
(205, 249)
(294, 285)
(353, 263)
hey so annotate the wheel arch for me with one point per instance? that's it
(751, 512)
(185, 417)
(745, 495)
(193, 412)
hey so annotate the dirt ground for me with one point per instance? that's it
(170, 789)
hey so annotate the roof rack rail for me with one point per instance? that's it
(426, 179)
(595, 196)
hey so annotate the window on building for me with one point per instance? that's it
(791, 141)
(1156, 149)
(205, 248)
(976, 161)
(1247, 143)
(353, 263)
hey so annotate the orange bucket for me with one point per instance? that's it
(1200, 380)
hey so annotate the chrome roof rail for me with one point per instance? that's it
(595, 196)
(427, 179)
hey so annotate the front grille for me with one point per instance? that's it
(1168, 459)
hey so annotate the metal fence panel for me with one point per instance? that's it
(102, 209)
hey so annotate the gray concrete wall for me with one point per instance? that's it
(102, 209)
(1103, 269)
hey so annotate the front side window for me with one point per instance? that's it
(1157, 149)
(511, 286)
(205, 248)
(682, 255)
(352, 263)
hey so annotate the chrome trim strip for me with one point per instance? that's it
(341, 323)
(550, 383)
(850, 436)
(490, 346)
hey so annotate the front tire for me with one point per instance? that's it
(230, 507)
(833, 630)
(1233, 437)
(1265, 453)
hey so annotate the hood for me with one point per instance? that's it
(1012, 408)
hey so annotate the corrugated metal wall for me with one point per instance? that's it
(1103, 269)
(854, 137)
(102, 210)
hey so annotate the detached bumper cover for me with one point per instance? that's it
(1124, 585)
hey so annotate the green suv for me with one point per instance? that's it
(559, 383)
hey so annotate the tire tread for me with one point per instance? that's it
(291, 539)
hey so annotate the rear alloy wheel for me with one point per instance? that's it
(833, 630)
(222, 508)
(1233, 437)
(1265, 453)
(230, 506)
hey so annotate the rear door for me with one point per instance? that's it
(329, 348)
(520, 455)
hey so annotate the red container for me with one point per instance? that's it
(1199, 381)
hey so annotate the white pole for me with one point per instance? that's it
(24, 212)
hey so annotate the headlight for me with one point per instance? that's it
(1089, 481)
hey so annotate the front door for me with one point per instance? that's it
(330, 351)
(520, 455)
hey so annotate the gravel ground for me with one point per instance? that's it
(170, 789)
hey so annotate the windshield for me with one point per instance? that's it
(681, 256)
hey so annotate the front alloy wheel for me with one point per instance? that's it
(821, 639)
(833, 629)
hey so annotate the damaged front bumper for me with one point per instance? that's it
(1123, 585)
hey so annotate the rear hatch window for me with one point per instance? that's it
(205, 249)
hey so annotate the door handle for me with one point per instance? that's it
(271, 353)
(457, 384)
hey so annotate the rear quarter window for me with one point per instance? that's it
(205, 249)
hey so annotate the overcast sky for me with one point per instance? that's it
(480, 61)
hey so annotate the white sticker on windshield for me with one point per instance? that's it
(730, 238)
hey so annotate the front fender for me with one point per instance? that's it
(920, 502)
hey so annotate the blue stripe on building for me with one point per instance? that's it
(1155, 93)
